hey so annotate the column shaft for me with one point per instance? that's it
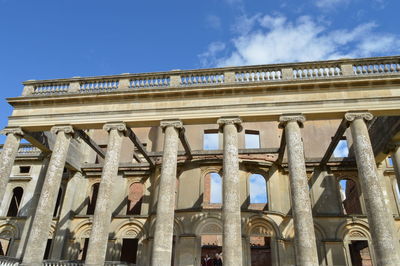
(305, 245)
(44, 212)
(164, 225)
(8, 154)
(231, 217)
(379, 219)
(98, 240)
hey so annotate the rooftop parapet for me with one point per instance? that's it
(332, 69)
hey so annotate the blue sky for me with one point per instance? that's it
(45, 39)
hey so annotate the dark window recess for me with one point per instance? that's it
(24, 169)
(359, 253)
(93, 199)
(47, 251)
(129, 250)
(58, 204)
(135, 198)
(83, 251)
(15, 202)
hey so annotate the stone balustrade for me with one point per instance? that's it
(8, 261)
(25, 149)
(217, 77)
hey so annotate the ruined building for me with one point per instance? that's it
(286, 164)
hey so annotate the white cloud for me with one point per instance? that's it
(328, 4)
(275, 39)
(213, 22)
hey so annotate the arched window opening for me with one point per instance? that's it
(58, 204)
(215, 188)
(15, 202)
(93, 199)
(258, 189)
(350, 197)
(135, 198)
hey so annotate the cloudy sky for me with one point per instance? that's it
(45, 39)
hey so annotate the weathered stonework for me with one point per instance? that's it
(197, 163)
(102, 215)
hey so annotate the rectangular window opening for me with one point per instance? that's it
(129, 250)
(24, 169)
(252, 139)
(47, 250)
(211, 140)
(342, 149)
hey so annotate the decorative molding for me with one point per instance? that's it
(67, 129)
(230, 120)
(284, 119)
(12, 130)
(120, 126)
(351, 116)
(176, 123)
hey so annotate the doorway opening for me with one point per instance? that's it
(211, 247)
(129, 250)
(359, 253)
(260, 248)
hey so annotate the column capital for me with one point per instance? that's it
(12, 130)
(176, 123)
(351, 116)
(284, 119)
(67, 129)
(120, 126)
(230, 120)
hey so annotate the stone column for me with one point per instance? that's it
(44, 212)
(96, 253)
(305, 245)
(8, 154)
(379, 219)
(396, 164)
(164, 227)
(232, 230)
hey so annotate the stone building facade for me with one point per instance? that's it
(288, 164)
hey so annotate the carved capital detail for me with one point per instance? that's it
(12, 130)
(230, 121)
(66, 129)
(120, 126)
(176, 123)
(351, 116)
(284, 119)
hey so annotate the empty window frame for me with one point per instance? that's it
(24, 169)
(93, 199)
(135, 197)
(342, 149)
(15, 202)
(252, 139)
(212, 190)
(211, 139)
(258, 189)
(349, 196)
